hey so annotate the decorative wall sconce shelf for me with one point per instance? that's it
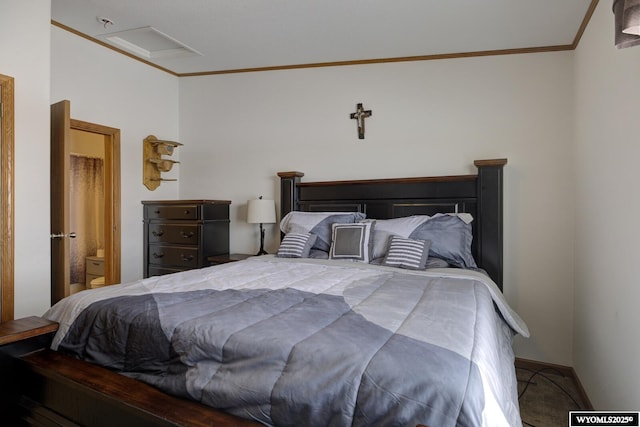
(152, 162)
(163, 165)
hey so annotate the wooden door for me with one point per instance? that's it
(61, 125)
(60, 184)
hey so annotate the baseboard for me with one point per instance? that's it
(566, 371)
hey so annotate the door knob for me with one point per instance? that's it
(71, 235)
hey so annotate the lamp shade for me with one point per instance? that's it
(627, 23)
(261, 211)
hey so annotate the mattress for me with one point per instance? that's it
(309, 342)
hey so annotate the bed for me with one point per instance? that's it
(344, 326)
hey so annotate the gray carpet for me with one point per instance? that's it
(546, 395)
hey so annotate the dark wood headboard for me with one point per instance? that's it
(480, 195)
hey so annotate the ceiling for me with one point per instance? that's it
(245, 35)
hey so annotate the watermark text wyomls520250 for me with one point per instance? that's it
(604, 418)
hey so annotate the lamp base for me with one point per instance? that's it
(261, 251)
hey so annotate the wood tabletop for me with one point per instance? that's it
(27, 327)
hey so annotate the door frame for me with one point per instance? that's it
(112, 245)
(7, 198)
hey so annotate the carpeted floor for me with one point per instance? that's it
(546, 395)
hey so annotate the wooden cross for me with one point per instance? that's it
(360, 115)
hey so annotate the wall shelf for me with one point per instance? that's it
(153, 164)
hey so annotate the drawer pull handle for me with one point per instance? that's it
(186, 235)
(187, 212)
(160, 255)
(187, 257)
(157, 233)
(157, 211)
(96, 263)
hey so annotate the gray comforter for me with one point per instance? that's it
(309, 343)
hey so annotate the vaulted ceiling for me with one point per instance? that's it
(188, 37)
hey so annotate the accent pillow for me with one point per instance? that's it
(386, 228)
(351, 242)
(407, 253)
(318, 254)
(433, 262)
(318, 223)
(451, 237)
(296, 245)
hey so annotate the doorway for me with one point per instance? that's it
(6, 198)
(85, 204)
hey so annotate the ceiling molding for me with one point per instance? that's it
(387, 60)
(585, 22)
(541, 49)
(108, 46)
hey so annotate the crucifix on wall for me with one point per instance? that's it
(360, 115)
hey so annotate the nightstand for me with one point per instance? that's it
(223, 259)
(18, 338)
(25, 335)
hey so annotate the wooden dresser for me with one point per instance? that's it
(181, 234)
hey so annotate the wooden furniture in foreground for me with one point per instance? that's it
(49, 375)
(49, 388)
(26, 330)
(17, 338)
(180, 235)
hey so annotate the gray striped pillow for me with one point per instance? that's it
(407, 253)
(296, 245)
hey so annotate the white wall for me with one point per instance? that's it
(24, 55)
(110, 89)
(49, 65)
(607, 148)
(429, 118)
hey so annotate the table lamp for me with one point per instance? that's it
(261, 211)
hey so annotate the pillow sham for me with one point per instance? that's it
(386, 228)
(318, 223)
(296, 245)
(451, 237)
(433, 262)
(407, 253)
(318, 254)
(351, 242)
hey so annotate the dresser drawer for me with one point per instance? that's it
(180, 256)
(182, 234)
(94, 266)
(172, 211)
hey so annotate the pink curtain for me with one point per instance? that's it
(87, 212)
